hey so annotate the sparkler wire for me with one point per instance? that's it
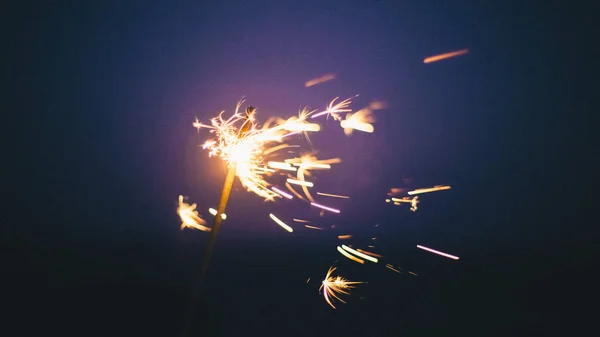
(230, 178)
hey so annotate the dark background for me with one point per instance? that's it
(98, 142)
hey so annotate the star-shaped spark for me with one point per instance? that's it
(334, 287)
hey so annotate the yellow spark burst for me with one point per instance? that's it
(333, 287)
(244, 145)
(189, 216)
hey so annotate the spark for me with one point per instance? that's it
(313, 227)
(319, 80)
(333, 195)
(369, 253)
(351, 257)
(291, 189)
(308, 280)
(281, 223)
(431, 189)
(438, 252)
(325, 207)
(242, 144)
(281, 166)
(313, 166)
(362, 119)
(189, 216)
(300, 220)
(242, 147)
(359, 254)
(413, 202)
(300, 182)
(334, 109)
(392, 268)
(214, 212)
(444, 56)
(410, 272)
(344, 237)
(282, 193)
(334, 287)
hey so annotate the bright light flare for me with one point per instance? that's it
(281, 223)
(438, 252)
(344, 237)
(325, 207)
(333, 287)
(444, 56)
(189, 216)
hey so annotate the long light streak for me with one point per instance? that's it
(281, 223)
(444, 56)
(300, 182)
(359, 254)
(313, 227)
(438, 252)
(333, 195)
(428, 190)
(369, 253)
(319, 80)
(282, 193)
(351, 257)
(325, 207)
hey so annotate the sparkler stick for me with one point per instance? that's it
(216, 226)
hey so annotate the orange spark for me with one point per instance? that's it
(333, 195)
(320, 79)
(444, 56)
(333, 287)
(344, 237)
(351, 257)
(313, 227)
(427, 190)
(189, 216)
(359, 254)
(369, 253)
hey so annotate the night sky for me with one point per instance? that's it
(100, 103)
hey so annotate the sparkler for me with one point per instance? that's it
(245, 150)
(334, 287)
